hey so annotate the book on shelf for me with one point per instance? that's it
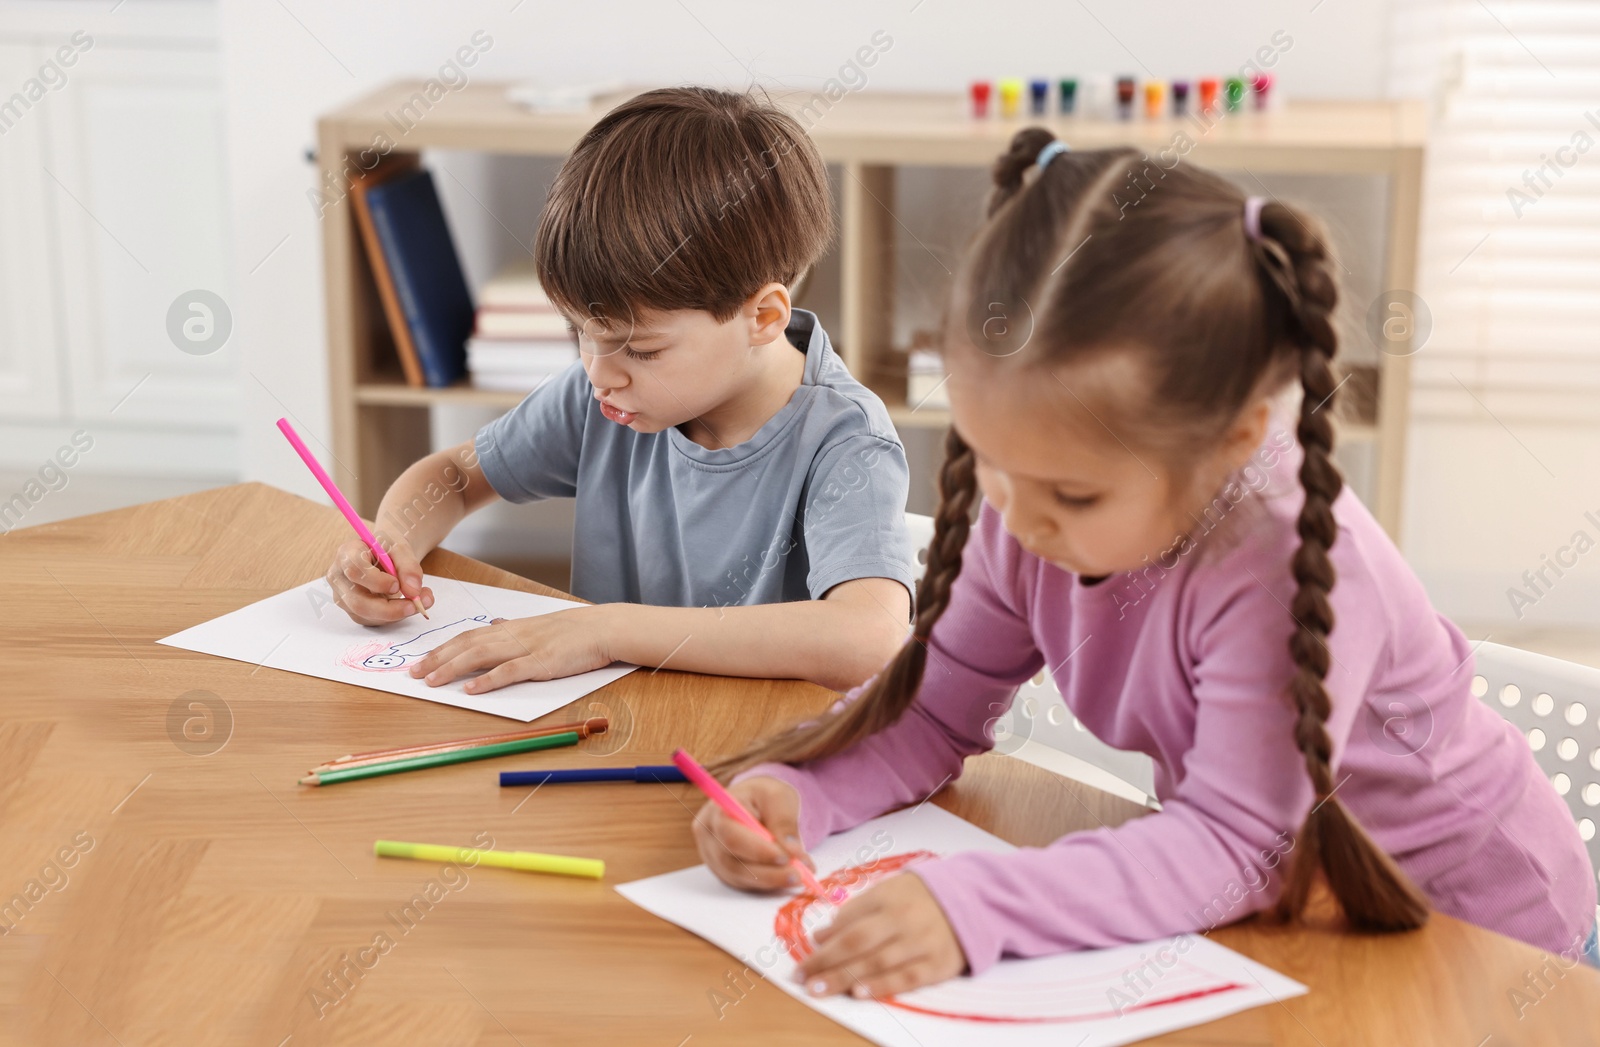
(521, 323)
(515, 286)
(398, 330)
(520, 339)
(538, 355)
(416, 258)
(561, 98)
(925, 384)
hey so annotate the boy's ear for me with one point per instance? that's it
(767, 312)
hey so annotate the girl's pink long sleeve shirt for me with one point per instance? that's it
(1188, 661)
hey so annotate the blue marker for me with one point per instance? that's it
(662, 773)
(1039, 97)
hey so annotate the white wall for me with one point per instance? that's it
(1486, 503)
(283, 69)
(113, 214)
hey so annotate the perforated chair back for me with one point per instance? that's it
(1556, 707)
(1039, 714)
(921, 528)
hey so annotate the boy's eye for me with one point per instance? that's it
(635, 355)
(1076, 501)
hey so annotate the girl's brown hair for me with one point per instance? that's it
(682, 198)
(1088, 261)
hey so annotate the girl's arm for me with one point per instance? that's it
(980, 651)
(1219, 848)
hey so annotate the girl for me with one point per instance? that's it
(1202, 590)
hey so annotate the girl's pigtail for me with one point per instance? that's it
(1373, 892)
(1012, 165)
(891, 692)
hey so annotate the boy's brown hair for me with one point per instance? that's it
(682, 198)
(1216, 317)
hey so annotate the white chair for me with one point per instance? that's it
(1556, 706)
(921, 528)
(1040, 729)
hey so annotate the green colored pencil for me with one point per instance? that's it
(416, 763)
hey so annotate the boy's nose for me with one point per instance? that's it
(605, 374)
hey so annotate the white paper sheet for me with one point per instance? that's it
(1098, 998)
(303, 631)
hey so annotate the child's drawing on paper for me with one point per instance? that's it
(380, 657)
(1152, 982)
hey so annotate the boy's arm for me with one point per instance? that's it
(837, 641)
(427, 500)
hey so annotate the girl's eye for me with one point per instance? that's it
(633, 355)
(1076, 501)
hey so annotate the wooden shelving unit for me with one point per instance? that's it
(380, 425)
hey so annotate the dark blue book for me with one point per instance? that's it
(426, 272)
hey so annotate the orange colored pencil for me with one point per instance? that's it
(593, 725)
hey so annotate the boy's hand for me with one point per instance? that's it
(737, 855)
(544, 647)
(368, 593)
(891, 938)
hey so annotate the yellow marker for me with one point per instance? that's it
(527, 861)
(1010, 96)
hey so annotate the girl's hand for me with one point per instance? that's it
(891, 938)
(544, 647)
(368, 593)
(738, 856)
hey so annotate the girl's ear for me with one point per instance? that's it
(1249, 428)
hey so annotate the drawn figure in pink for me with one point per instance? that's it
(380, 657)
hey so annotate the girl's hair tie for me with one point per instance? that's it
(1054, 149)
(1252, 216)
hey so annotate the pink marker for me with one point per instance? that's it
(724, 799)
(340, 501)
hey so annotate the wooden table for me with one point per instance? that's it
(210, 895)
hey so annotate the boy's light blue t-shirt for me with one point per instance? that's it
(816, 497)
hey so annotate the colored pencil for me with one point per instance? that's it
(593, 725)
(527, 861)
(342, 503)
(417, 763)
(736, 810)
(666, 773)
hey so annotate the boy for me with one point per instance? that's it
(740, 497)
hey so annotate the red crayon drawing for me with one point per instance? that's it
(1106, 994)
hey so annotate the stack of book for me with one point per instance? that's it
(426, 305)
(925, 375)
(519, 338)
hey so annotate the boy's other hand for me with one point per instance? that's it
(544, 647)
(368, 593)
(741, 858)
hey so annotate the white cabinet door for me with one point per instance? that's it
(134, 176)
(30, 363)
